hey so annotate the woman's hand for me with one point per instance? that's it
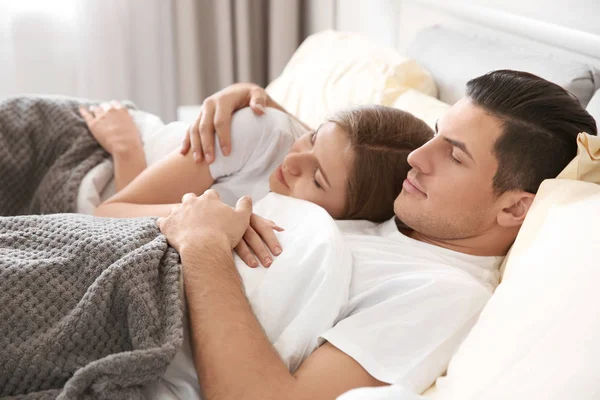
(259, 239)
(112, 126)
(216, 114)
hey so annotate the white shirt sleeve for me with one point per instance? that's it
(393, 392)
(251, 136)
(406, 330)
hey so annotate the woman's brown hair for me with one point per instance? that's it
(381, 138)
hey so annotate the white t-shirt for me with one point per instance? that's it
(259, 144)
(298, 297)
(393, 392)
(411, 303)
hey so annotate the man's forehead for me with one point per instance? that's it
(469, 123)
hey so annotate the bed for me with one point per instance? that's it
(535, 339)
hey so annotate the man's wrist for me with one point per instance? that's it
(203, 245)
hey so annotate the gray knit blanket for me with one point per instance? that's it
(45, 151)
(90, 308)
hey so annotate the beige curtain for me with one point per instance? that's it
(99, 49)
(220, 42)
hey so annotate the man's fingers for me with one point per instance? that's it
(246, 254)
(258, 100)
(222, 123)
(212, 193)
(194, 133)
(258, 246)
(185, 145)
(207, 131)
(187, 197)
(244, 206)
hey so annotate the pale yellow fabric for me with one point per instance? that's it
(586, 165)
(542, 324)
(334, 70)
(537, 338)
(425, 107)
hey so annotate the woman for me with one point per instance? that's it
(353, 165)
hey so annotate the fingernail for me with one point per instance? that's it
(196, 156)
(261, 107)
(225, 150)
(208, 157)
(277, 251)
(252, 263)
(267, 261)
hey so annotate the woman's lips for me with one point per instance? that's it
(281, 177)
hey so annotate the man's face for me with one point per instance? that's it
(448, 193)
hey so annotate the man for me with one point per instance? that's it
(418, 285)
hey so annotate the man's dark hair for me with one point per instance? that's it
(540, 120)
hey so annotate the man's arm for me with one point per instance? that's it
(234, 359)
(215, 118)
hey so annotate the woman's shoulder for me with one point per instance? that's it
(272, 123)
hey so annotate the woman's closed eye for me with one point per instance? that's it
(317, 184)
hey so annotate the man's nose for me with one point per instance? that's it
(420, 159)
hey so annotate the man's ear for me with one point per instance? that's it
(515, 208)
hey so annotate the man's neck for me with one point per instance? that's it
(482, 245)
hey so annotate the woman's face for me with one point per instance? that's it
(316, 169)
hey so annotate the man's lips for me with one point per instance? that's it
(281, 177)
(413, 186)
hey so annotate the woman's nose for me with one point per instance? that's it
(295, 163)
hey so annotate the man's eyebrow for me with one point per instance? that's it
(460, 145)
(319, 167)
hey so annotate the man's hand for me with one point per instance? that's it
(215, 115)
(206, 219)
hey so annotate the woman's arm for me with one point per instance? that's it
(114, 129)
(158, 188)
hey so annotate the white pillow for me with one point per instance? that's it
(422, 106)
(593, 107)
(334, 70)
(537, 338)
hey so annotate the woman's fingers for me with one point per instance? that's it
(86, 115)
(97, 111)
(207, 131)
(264, 228)
(245, 254)
(258, 246)
(116, 104)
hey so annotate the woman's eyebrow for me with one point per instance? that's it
(319, 167)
